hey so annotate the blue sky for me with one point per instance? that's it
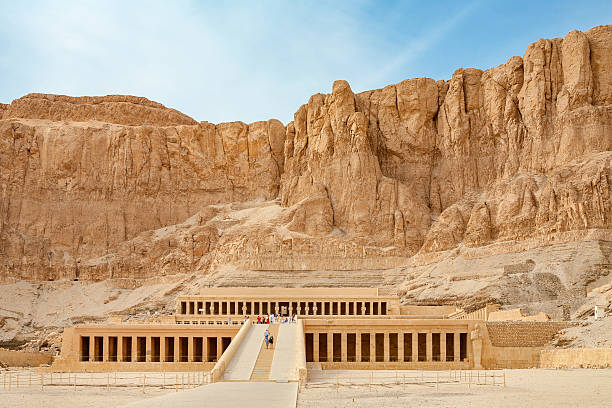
(254, 60)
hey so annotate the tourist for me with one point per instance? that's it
(268, 320)
(258, 319)
(272, 341)
(266, 337)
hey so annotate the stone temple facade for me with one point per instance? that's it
(348, 328)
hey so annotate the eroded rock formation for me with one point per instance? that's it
(97, 188)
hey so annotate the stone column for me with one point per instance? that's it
(162, 348)
(219, 347)
(387, 347)
(315, 347)
(148, 349)
(205, 348)
(415, 346)
(429, 347)
(191, 349)
(372, 346)
(177, 356)
(343, 347)
(400, 347)
(457, 349)
(371, 308)
(358, 346)
(105, 350)
(330, 346)
(119, 348)
(134, 349)
(443, 346)
(92, 348)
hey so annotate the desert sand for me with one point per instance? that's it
(524, 388)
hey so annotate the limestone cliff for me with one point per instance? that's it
(394, 179)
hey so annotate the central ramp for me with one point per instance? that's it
(261, 371)
(227, 394)
(241, 366)
(284, 363)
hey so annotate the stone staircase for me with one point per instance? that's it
(241, 366)
(263, 365)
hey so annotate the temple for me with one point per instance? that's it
(349, 328)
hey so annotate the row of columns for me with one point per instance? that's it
(148, 355)
(387, 347)
(308, 308)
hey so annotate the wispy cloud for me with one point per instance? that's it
(247, 60)
(416, 46)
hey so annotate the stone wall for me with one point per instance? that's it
(13, 358)
(576, 358)
(523, 334)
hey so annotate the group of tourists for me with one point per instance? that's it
(271, 319)
(275, 318)
(269, 339)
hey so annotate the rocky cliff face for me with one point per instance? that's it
(398, 178)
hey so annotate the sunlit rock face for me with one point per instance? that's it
(120, 187)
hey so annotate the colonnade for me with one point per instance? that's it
(386, 346)
(304, 308)
(152, 348)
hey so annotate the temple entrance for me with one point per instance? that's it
(283, 308)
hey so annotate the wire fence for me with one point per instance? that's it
(12, 380)
(407, 377)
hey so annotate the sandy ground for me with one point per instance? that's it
(524, 388)
(90, 397)
(91, 390)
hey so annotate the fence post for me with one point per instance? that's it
(176, 382)
(504, 379)
(437, 381)
(144, 382)
(42, 381)
(107, 381)
(74, 382)
(9, 383)
(164, 383)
